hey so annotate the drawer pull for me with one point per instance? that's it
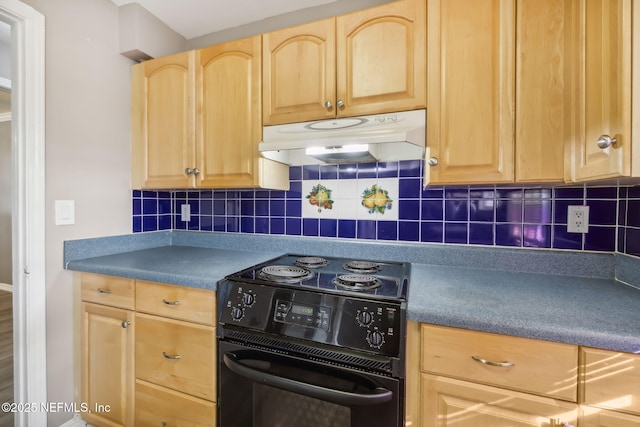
(491, 363)
(171, 302)
(172, 357)
(104, 291)
(126, 324)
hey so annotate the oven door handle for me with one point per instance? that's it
(379, 394)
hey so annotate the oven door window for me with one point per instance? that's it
(275, 407)
(261, 389)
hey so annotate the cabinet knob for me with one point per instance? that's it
(328, 105)
(605, 141)
(340, 103)
(433, 161)
(125, 324)
(188, 171)
(196, 171)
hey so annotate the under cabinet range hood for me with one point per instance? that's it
(381, 137)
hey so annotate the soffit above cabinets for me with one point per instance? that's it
(195, 18)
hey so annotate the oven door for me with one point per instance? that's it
(258, 388)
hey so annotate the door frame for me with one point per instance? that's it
(28, 207)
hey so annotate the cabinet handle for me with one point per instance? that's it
(171, 302)
(172, 357)
(125, 324)
(104, 291)
(328, 105)
(433, 161)
(491, 363)
(188, 171)
(340, 103)
(605, 141)
(196, 171)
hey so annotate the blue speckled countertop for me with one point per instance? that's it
(584, 298)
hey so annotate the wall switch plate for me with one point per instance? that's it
(65, 211)
(185, 212)
(578, 219)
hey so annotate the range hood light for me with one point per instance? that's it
(352, 148)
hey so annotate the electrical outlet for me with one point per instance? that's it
(185, 212)
(578, 219)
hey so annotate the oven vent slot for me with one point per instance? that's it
(312, 353)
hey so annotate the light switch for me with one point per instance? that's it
(65, 212)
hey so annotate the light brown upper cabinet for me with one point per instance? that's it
(366, 62)
(496, 91)
(197, 120)
(600, 141)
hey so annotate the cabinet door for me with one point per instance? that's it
(229, 122)
(470, 118)
(380, 59)
(610, 379)
(594, 417)
(601, 97)
(107, 365)
(449, 402)
(540, 90)
(299, 76)
(162, 122)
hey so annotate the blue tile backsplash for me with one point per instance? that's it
(477, 215)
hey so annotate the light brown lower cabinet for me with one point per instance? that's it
(463, 378)
(451, 402)
(107, 365)
(148, 353)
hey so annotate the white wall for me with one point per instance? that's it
(87, 156)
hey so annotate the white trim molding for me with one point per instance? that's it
(76, 421)
(5, 117)
(28, 207)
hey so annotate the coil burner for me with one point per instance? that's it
(362, 267)
(285, 274)
(357, 282)
(311, 262)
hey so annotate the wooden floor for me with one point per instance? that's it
(6, 355)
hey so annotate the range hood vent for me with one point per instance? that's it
(382, 137)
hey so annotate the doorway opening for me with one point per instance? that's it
(27, 206)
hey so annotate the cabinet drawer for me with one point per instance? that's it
(610, 379)
(158, 406)
(528, 365)
(176, 354)
(177, 302)
(595, 417)
(108, 290)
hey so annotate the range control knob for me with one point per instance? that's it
(375, 339)
(248, 299)
(237, 313)
(364, 318)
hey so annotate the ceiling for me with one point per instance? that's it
(195, 18)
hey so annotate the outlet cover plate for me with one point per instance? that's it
(578, 219)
